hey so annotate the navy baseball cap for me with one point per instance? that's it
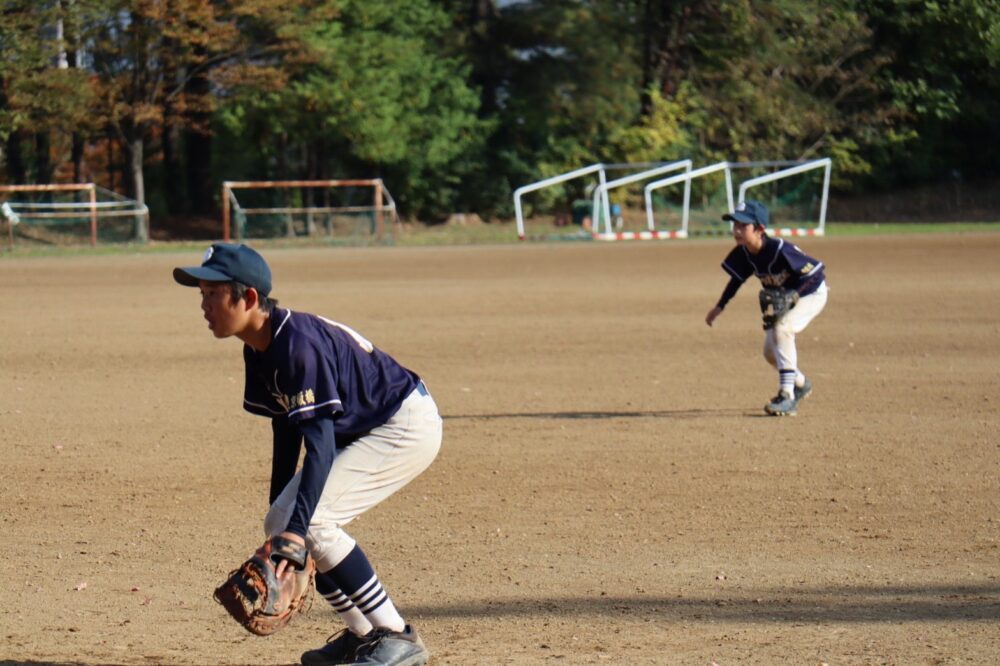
(748, 212)
(226, 262)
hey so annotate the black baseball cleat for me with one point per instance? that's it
(781, 405)
(802, 392)
(339, 649)
(382, 647)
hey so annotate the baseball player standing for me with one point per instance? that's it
(369, 427)
(782, 266)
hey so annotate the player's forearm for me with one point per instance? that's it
(728, 293)
(284, 456)
(320, 451)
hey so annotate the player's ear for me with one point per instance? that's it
(251, 298)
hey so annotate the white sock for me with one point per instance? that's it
(378, 608)
(355, 620)
(786, 382)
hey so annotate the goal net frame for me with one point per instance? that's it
(112, 205)
(820, 229)
(790, 168)
(600, 168)
(382, 202)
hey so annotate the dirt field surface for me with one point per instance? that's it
(609, 489)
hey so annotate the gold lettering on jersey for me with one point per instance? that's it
(301, 399)
(774, 280)
(808, 267)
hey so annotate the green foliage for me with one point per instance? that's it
(670, 131)
(373, 81)
(38, 93)
(942, 79)
(457, 103)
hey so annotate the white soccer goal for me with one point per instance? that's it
(348, 210)
(62, 213)
(686, 179)
(601, 169)
(602, 203)
(820, 229)
(799, 203)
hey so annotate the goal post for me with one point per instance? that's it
(296, 213)
(70, 212)
(601, 203)
(599, 168)
(595, 212)
(820, 229)
(13, 216)
(686, 178)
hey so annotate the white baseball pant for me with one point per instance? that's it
(779, 341)
(363, 474)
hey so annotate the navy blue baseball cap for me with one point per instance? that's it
(226, 262)
(748, 212)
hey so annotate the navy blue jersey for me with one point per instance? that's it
(324, 384)
(778, 264)
(315, 367)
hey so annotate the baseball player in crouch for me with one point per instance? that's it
(794, 293)
(369, 427)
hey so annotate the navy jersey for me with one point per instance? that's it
(317, 367)
(323, 383)
(778, 264)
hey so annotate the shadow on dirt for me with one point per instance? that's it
(148, 660)
(654, 413)
(972, 603)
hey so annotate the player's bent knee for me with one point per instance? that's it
(330, 549)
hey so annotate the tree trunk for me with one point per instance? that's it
(43, 163)
(15, 159)
(659, 26)
(134, 153)
(172, 173)
(111, 160)
(198, 167)
(76, 155)
(483, 18)
(76, 151)
(198, 145)
(283, 175)
(309, 155)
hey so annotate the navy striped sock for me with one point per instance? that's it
(356, 578)
(786, 382)
(349, 613)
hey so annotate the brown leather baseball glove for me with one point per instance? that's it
(258, 599)
(775, 302)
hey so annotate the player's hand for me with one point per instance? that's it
(283, 570)
(712, 314)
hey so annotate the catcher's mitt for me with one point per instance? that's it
(774, 303)
(257, 599)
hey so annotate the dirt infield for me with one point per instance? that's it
(609, 490)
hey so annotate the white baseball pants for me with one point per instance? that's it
(363, 474)
(779, 341)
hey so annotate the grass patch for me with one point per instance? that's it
(495, 233)
(890, 228)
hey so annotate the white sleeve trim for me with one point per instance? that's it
(309, 408)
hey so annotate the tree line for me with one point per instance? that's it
(455, 103)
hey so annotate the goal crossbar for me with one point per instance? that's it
(600, 168)
(686, 178)
(382, 201)
(112, 205)
(825, 163)
(601, 200)
(89, 188)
